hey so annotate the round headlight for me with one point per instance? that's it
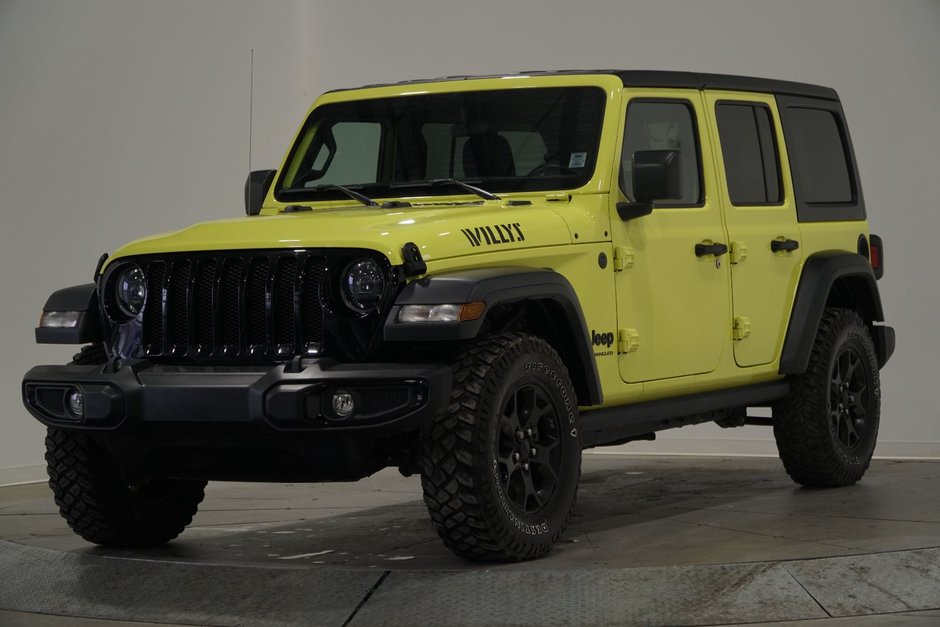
(363, 285)
(130, 290)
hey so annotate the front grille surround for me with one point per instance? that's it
(244, 306)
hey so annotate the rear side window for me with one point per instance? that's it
(818, 152)
(750, 153)
(663, 125)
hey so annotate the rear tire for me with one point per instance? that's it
(500, 471)
(826, 428)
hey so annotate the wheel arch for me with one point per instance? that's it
(548, 301)
(833, 279)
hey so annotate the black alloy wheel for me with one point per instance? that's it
(528, 448)
(850, 388)
(500, 469)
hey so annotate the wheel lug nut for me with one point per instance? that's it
(519, 435)
(528, 432)
(525, 466)
(515, 457)
(533, 452)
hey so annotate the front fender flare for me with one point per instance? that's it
(80, 298)
(495, 286)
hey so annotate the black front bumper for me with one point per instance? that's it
(140, 396)
(237, 423)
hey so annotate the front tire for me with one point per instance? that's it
(106, 507)
(826, 428)
(500, 471)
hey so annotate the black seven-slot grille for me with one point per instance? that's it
(233, 306)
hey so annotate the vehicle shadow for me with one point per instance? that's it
(623, 504)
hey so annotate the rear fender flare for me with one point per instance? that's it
(820, 273)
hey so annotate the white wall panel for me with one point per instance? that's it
(119, 119)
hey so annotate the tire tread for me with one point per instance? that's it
(804, 441)
(461, 509)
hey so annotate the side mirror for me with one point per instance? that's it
(256, 188)
(655, 177)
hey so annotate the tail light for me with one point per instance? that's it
(877, 256)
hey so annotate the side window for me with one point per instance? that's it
(750, 153)
(663, 125)
(356, 159)
(818, 152)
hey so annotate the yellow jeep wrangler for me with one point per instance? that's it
(474, 279)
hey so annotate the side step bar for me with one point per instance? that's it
(604, 426)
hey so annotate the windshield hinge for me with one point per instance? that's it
(414, 264)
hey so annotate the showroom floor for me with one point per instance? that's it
(654, 541)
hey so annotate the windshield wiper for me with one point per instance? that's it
(482, 193)
(365, 200)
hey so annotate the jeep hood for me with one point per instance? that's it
(440, 231)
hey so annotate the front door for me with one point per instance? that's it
(673, 298)
(760, 218)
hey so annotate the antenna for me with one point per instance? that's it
(251, 107)
(251, 102)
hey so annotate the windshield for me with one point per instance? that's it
(505, 140)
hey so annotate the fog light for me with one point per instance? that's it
(77, 404)
(344, 404)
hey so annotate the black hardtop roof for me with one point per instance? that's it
(661, 78)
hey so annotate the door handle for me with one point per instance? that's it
(710, 249)
(787, 245)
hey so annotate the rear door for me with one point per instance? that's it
(673, 305)
(760, 218)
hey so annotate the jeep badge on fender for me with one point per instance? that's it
(602, 339)
(475, 283)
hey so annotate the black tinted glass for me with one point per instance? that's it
(749, 153)
(505, 140)
(815, 143)
(769, 154)
(662, 126)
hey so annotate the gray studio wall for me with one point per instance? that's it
(119, 119)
